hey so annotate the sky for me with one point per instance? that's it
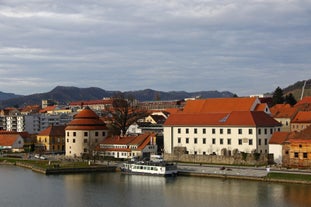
(242, 46)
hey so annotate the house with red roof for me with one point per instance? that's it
(220, 126)
(276, 145)
(52, 139)
(127, 147)
(284, 113)
(297, 149)
(11, 142)
(301, 121)
(84, 133)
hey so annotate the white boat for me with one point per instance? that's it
(149, 168)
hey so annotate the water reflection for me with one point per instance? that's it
(21, 187)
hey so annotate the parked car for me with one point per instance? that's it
(42, 157)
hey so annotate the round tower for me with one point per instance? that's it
(84, 133)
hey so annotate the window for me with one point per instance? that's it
(187, 131)
(67, 140)
(96, 134)
(259, 141)
(195, 140)
(240, 141)
(213, 141)
(204, 153)
(213, 131)
(85, 140)
(229, 141)
(73, 140)
(179, 130)
(104, 134)
(305, 155)
(204, 131)
(265, 131)
(179, 140)
(74, 134)
(296, 154)
(250, 131)
(250, 142)
(204, 140)
(228, 131)
(259, 131)
(195, 152)
(221, 141)
(221, 131)
(67, 134)
(271, 131)
(86, 134)
(266, 141)
(187, 140)
(240, 131)
(195, 130)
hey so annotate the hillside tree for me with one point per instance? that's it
(290, 99)
(277, 97)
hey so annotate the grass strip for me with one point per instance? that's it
(289, 176)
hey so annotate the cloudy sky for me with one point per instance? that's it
(242, 46)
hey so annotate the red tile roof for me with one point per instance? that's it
(220, 105)
(283, 111)
(235, 118)
(305, 100)
(279, 137)
(53, 131)
(8, 139)
(141, 141)
(86, 120)
(92, 102)
(302, 117)
(48, 108)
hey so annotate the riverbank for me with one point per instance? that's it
(52, 167)
(246, 173)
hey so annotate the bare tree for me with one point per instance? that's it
(123, 113)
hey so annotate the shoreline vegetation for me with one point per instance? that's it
(64, 167)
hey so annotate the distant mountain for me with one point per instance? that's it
(64, 95)
(5, 96)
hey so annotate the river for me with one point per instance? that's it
(22, 187)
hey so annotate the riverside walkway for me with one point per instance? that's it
(238, 172)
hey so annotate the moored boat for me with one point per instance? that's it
(150, 168)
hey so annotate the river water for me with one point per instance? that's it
(22, 187)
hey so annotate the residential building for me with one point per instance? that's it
(129, 146)
(276, 145)
(84, 133)
(297, 150)
(11, 142)
(95, 105)
(301, 121)
(221, 126)
(52, 139)
(284, 113)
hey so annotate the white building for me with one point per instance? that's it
(220, 126)
(276, 145)
(84, 133)
(127, 147)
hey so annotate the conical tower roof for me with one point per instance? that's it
(86, 120)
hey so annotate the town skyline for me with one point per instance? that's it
(242, 47)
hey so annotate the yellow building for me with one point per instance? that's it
(52, 139)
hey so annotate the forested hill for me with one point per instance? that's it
(64, 95)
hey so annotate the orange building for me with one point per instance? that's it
(297, 150)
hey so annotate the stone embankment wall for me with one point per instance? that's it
(238, 159)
